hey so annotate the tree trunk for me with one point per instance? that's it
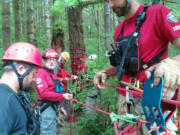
(17, 19)
(154, 2)
(107, 26)
(115, 22)
(76, 37)
(57, 42)
(47, 23)
(23, 16)
(6, 23)
(30, 22)
(97, 23)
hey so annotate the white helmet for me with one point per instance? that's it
(92, 57)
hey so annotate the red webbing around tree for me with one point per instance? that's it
(78, 65)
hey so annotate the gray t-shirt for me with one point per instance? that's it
(13, 118)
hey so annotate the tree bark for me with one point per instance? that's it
(76, 35)
(23, 18)
(17, 19)
(30, 22)
(154, 2)
(47, 23)
(6, 23)
(57, 42)
(107, 26)
(115, 22)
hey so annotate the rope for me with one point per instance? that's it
(114, 117)
(97, 109)
(173, 102)
(129, 118)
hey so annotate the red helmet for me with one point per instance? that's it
(23, 52)
(50, 53)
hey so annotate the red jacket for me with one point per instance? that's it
(45, 87)
(62, 74)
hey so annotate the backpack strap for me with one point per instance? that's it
(58, 86)
(33, 124)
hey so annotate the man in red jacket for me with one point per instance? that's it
(64, 76)
(141, 41)
(50, 93)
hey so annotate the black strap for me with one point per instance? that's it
(21, 77)
(136, 34)
(33, 125)
(155, 59)
(45, 104)
(139, 20)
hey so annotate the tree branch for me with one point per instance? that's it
(87, 3)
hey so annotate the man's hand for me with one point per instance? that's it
(63, 112)
(67, 96)
(75, 77)
(170, 70)
(99, 78)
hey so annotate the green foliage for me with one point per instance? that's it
(99, 123)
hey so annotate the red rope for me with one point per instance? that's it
(97, 109)
(130, 130)
(115, 128)
(173, 102)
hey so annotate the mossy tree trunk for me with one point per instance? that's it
(6, 23)
(17, 19)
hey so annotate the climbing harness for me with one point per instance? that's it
(126, 55)
(33, 125)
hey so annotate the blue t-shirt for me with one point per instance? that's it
(13, 118)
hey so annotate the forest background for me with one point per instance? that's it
(81, 27)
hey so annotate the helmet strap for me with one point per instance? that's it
(21, 77)
(126, 9)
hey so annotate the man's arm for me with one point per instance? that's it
(176, 43)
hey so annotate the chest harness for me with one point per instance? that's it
(58, 88)
(33, 124)
(126, 55)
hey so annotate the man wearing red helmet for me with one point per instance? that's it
(50, 93)
(141, 41)
(20, 64)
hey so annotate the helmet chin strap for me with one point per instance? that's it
(127, 7)
(21, 77)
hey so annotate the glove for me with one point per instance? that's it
(170, 70)
(99, 78)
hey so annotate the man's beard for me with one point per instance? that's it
(121, 11)
(28, 88)
(50, 66)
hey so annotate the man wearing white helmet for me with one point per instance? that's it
(93, 93)
(92, 57)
